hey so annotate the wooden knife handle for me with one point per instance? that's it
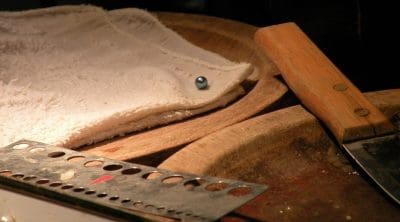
(320, 85)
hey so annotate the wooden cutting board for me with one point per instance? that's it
(234, 41)
(309, 178)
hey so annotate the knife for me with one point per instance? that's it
(362, 130)
(114, 190)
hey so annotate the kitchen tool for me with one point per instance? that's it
(308, 178)
(118, 189)
(366, 134)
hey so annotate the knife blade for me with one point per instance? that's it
(114, 189)
(362, 130)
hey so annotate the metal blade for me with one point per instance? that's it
(116, 188)
(380, 158)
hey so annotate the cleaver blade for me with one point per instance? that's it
(363, 131)
(380, 159)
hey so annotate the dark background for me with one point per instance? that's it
(358, 36)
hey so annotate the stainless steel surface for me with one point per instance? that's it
(116, 188)
(380, 158)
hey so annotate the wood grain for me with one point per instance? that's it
(320, 85)
(231, 39)
(308, 177)
(230, 152)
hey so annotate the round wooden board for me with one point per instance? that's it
(308, 177)
(231, 39)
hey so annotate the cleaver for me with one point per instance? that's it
(363, 131)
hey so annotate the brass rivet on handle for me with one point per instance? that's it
(361, 112)
(340, 87)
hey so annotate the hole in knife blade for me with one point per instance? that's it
(56, 154)
(55, 184)
(131, 171)
(216, 186)
(114, 198)
(20, 146)
(112, 167)
(93, 163)
(75, 158)
(90, 192)
(126, 200)
(17, 175)
(78, 189)
(137, 204)
(150, 207)
(152, 175)
(101, 195)
(240, 191)
(37, 150)
(172, 179)
(5, 173)
(67, 187)
(42, 181)
(194, 183)
(30, 177)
